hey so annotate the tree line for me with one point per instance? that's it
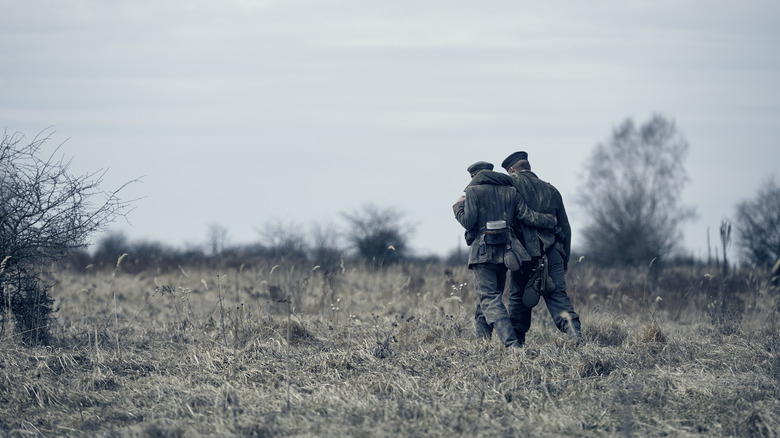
(372, 237)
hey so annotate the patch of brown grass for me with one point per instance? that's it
(366, 354)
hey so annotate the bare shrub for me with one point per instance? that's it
(46, 213)
(758, 225)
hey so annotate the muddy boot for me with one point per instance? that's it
(483, 329)
(505, 331)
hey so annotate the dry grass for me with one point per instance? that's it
(298, 352)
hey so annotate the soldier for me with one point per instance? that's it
(490, 207)
(550, 251)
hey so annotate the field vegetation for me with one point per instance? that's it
(266, 349)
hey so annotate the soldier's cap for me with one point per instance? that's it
(479, 165)
(514, 158)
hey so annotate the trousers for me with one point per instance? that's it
(558, 302)
(489, 280)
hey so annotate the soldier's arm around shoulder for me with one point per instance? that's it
(528, 217)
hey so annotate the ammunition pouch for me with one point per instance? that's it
(497, 237)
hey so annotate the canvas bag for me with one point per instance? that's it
(539, 284)
(514, 253)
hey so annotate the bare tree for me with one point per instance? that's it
(46, 212)
(632, 193)
(325, 250)
(758, 225)
(284, 240)
(217, 238)
(378, 235)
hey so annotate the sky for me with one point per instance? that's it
(294, 112)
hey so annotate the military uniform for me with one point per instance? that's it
(543, 197)
(490, 197)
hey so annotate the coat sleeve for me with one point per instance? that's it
(563, 222)
(531, 218)
(467, 212)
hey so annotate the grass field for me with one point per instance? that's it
(281, 351)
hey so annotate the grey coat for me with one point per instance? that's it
(543, 197)
(491, 196)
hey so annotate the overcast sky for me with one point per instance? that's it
(244, 113)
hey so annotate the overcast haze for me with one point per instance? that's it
(244, 113)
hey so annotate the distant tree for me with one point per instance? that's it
(46, 213)
(758, 225)
(631, 194)
(285, 241)
(109, 248)
(151, 255)
(325, 250)
(378, 235)
(217, 238)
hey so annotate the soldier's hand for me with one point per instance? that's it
(461, 199)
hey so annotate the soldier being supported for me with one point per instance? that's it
(490, 207)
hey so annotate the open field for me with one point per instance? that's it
(262, 351)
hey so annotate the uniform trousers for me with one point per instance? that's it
(558, 302)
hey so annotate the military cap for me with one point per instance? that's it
(479, 165)
(514, 158)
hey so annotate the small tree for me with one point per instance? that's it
(378, 235)
(46, 213)
(325, 250)
(758, 225)
(216, 237)
(109, 248)
(285, 241)
(632, 193)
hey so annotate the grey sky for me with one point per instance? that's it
(248, 112)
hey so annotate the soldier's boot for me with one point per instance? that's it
(483, 329)
(520, 337)
(574, 334)
(519, 332)
(505, 331)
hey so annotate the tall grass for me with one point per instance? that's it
(304, 352)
